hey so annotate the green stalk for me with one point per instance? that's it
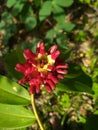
(35, 112)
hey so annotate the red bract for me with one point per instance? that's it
(42, 69)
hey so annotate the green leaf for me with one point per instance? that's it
(11, 59)
(65, 26)
(10, 3)
(30, 23)
(63, 3)
(62, 38)
(95, 95)
(65, 55)
(7, 17)
(64, 100)
(82, 87)
(12, 93)
(64, 87)
(13, 116)
(80, 83)
(28, 18)
(17, 8)
(59, 13)
(50, 35)
(2, 24)
(37, 2)
(91, 123)
(45, 10)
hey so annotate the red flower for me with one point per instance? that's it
(42, 69)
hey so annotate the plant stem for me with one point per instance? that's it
(35, 112)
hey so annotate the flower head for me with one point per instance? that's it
(42, 69)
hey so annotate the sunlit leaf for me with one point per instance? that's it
(66, 26)
(12, 93)
(13, 116)
(59, 13)
(50, 35)
(63, 3)
(45, 10)
(10, 3)
(2, 24)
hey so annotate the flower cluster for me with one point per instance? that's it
(42, 69)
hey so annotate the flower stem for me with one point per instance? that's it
(35, 112)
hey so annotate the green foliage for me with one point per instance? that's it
(96, 4)
(86, 1)
(63, 3)
(53, 21)
(59, 13)
(45, 10)
(10, 3)
(27, 18)
(65, 26)
(12, 93)
(17, 8)
(7, 26)
(15, 56)
(29, 15)
(13, 116)
(64, 100)
(81, 36)
(76, 81)
(30, 23)
(91, 123)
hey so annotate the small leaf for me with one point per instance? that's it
(13, 116)
(12, 93)
(28, 18)
(63, 3)
(65, 100)
(80, 83)
(2, 24)
(59, 13)
(7, 17)
(65, 26)
(62, 38)
(10, 3)
(17, 8)
(45, 10)
(50, 35)
(30, 23)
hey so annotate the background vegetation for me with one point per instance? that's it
(73, 25)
